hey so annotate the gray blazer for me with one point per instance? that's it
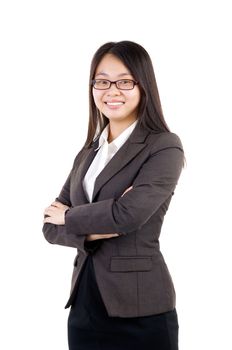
(131, 273)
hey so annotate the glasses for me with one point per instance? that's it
(104, 84)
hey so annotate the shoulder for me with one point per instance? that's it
(163, 140)
(80, 155)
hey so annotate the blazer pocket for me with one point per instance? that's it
(127, 263)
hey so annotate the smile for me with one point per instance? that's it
(114, 103)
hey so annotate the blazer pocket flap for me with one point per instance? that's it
(124, 264)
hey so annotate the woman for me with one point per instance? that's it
(112, 206)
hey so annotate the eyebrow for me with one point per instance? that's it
(106, 75)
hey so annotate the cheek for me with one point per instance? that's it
(135, 98)
(97, 96)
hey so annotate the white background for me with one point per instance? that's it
(46, 49)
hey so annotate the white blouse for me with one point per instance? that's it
(105, 152)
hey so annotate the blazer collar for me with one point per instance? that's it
(138, 135)
(134, 144)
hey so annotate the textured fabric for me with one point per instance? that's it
(90, 327)
(106, 151)
(151, 163)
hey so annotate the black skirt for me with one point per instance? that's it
(90, 327)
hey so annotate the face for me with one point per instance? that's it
(117, 105)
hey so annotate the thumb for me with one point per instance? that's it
(128, 189)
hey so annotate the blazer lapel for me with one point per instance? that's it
(125, 154)
(81, 170)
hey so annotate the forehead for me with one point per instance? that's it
(110, 65)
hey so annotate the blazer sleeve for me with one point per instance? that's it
(57, 234)
(154, 183)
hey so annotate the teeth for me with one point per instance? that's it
(114, 103)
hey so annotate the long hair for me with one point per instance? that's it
(139, 63)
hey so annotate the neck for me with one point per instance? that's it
(115, 129)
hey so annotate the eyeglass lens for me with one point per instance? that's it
(102, 84)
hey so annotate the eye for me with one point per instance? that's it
(102, 82)
(126, 84)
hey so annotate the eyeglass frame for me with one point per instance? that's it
(114, 82)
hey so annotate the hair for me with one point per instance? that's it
(138, 61)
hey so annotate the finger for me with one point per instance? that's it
(93, 237)
(57, 204)
(49, 211)
(48, 220)
(46, 211)
(128, 189)
(110, 235)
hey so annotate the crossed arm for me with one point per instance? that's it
(153, 185)
(55, 214)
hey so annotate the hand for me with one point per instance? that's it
(128, 189)
(55, 213)
(93, 237)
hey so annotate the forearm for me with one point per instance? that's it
(57, 234)
(152, 187)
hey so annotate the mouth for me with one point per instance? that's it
(114, 103)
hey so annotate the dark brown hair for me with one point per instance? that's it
(139, 63)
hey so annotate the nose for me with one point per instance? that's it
(113, 90)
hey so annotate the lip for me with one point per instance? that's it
(114, 101)
(114, 104)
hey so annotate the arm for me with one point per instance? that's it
(54, 219)
(155, 182)
(57, 234)
(55, 214)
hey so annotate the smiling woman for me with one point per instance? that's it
(119, 99)
(112, 207)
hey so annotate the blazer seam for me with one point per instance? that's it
(137, 279)
(152, 153)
